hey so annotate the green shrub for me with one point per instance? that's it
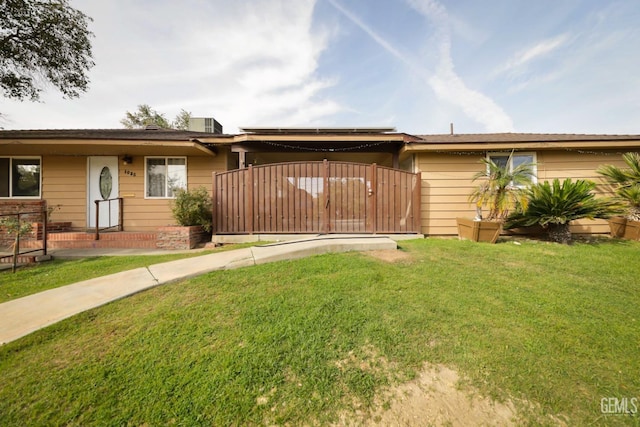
(626, 182)
(553, 205)
(500, 188)
(193, 207)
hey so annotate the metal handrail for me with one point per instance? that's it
(119, 225)
(16, 248)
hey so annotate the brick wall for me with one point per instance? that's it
(20, 206)
(176, 237)
(52, 227)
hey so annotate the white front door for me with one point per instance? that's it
(103, 185)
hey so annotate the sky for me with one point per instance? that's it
(547, 66)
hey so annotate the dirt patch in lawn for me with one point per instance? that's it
(391, 255)
(436, 397)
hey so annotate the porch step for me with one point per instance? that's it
(22, 259)
(83, 240)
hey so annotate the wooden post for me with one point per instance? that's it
(416, 199)
(213, 204)
(249, 200)
(97, 235)
(45, 237)
(395, 160)
(16, 246)
(120, 214)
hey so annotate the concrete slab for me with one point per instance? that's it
(24, 315)
(96, 252)
(191, 267)
(248, 238)
(320, 245)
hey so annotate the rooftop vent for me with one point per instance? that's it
(205, 124)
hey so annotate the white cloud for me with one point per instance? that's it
(241, 62)
(540, 49)
(446, 83)
(370, 32)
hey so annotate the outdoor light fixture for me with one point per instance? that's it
(127, 159)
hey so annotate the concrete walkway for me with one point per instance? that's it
(28, 314)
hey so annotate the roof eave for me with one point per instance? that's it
(100, 146)
(488, 146)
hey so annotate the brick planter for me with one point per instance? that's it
(177, 237)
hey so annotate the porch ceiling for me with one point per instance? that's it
(371, 143)
(306, 147)
(79, 147)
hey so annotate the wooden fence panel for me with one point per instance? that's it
(316, 197)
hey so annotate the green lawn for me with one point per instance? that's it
(36, 278)
(555, 328)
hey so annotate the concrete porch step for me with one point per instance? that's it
(84, 240)
(22, 259)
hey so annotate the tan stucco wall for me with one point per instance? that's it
(447, 182)
(142, 214)
(64, 182)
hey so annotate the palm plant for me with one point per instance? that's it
(554, 205)
(501, 189)
(626, 182)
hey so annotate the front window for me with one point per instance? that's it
(19, 177)
(513, 160)
(165, 175)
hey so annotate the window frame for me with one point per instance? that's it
(11, 196)
(532, 154)
(166, 188)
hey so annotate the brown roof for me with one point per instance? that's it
(520, 137)
(113, 134)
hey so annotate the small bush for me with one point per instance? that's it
(193, 207)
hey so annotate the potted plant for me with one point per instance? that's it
(554, 205)
(626, 183)
(500, 190)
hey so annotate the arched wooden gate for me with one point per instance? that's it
(316, 197)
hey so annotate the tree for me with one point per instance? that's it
(43, 41)
(554, 205)
(626, 182)
(146, 116)
(182, 120)
(501, 187)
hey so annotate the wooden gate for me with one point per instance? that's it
(316, 197)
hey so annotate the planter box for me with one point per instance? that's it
(177, 237)
(632, 230)
(478, 231)
(618, 225)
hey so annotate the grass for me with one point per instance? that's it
(553, 327)
(36, 278)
